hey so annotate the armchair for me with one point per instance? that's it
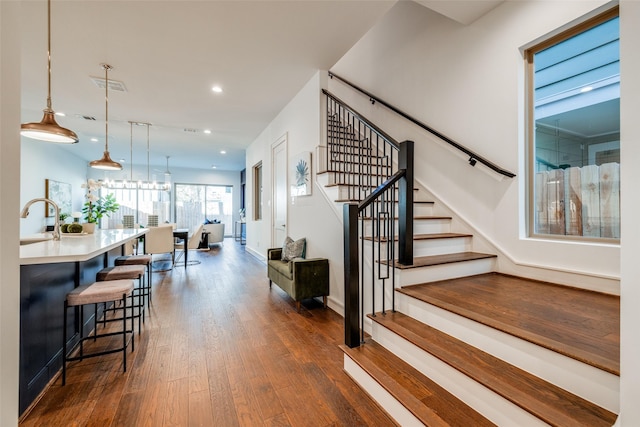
(216, 233)
(299, 278)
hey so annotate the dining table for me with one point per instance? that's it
(183, 233)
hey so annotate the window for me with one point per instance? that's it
(139, 202)
(574, 131)
(257, 192)
(197, 202)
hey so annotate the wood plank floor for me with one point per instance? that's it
(218, 348)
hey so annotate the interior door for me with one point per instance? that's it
(279, 206)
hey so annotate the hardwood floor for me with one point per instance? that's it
(218, 348)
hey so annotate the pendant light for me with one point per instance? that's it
(48, 129)
(167, 177)
(105, 162)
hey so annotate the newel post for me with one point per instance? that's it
(351, 276)
(405, 204)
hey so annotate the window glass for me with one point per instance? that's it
(196, 203)
(257, 191)
(575, 132)
(139, 202)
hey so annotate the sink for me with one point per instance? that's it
(35, 238)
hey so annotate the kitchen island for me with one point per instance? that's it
(48, 271)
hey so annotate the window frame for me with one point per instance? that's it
(257, 191)
(530, 139)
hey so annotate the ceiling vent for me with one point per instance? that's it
(80, 116)
(113, 84)
(191, 130)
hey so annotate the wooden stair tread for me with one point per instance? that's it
(431, 260)
(426, 400)
(546, 401)
(577, 323)
(347, 184)
(419, 202)
(417, 217)
(429, 236)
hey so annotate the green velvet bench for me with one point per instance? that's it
(299, 278)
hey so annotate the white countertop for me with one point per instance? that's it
(71, 248)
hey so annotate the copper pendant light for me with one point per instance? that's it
(48, 129)
(105, 162)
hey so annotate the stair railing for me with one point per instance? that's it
(473, 157)
(377, 174)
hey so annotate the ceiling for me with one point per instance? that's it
(169, 54)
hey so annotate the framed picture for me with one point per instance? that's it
(59, 192)
(301, 175)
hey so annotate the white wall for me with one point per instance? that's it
(9, 201)
(467, 82)
(309, 216)
(43, 160)
(630, 207)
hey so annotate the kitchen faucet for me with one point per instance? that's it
(56, 228)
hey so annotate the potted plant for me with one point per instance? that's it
(95, 206)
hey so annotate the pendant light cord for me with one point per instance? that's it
(106, 113)
(148, 176)
(49, 108)
(131, 150)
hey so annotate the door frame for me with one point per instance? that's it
(281, 141)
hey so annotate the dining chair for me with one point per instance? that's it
(192, 243)
(159, 240)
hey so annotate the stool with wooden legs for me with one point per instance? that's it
(138, 260)
(96, 293)
(127, 272)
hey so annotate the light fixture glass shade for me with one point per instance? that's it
(49, 130)
(106, 163)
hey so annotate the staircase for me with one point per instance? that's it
(464, 345)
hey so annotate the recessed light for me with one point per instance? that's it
(207, 131)
(60, 113)
(217, 89)
(214, 167)
(94, 139)
(223, 152)
(586, 89)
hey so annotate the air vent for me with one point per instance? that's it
(113, 84)
(80, 116)
(191, 130)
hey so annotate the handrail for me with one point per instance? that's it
(473, 157)
(381, 189)
(363, 119)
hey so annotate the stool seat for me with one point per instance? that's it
(120, 272)
(145, 260)
(110, 290)
(133, 260)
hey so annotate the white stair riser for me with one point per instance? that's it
(429, 247)
(420, 226)
(489, 404)
(345, 190)
(390, 404)
(345, 160)
(415, 276)
(353, 177)
(579, 378)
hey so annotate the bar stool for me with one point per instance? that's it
(138, 260)
(127, 272)
(98, 292)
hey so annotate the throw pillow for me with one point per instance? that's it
(293, 249)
